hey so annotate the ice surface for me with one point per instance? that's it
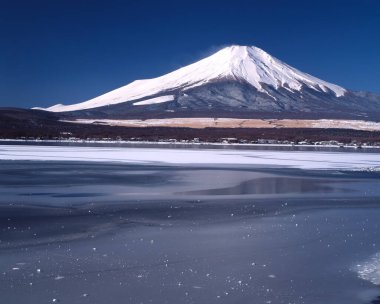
(297, 159)
(370, 269)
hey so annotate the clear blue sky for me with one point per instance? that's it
(67, 51)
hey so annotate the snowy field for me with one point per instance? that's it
(296, 159)
(200, 123)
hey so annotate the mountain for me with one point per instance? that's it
(237, 81)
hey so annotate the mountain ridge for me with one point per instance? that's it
(236, 79)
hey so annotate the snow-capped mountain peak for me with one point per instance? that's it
(256, 66)
(242, 63)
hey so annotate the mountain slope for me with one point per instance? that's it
(237, 80)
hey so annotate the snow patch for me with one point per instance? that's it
(155, 100)
(297, 159)
(369, 270)
(346, 124)
(204, 122)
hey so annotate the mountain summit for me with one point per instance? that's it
(235, 79)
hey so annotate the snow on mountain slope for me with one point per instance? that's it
(160, 99)
(241, 63)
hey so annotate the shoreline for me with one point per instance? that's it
(180, 144)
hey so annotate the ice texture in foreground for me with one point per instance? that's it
(242, 63)
(297, 159)
(370, 270)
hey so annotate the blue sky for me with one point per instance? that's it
(67, 51)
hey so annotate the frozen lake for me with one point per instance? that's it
(121, 225)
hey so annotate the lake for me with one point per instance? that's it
(151, 225)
